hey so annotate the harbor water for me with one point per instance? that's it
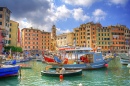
(115, 75)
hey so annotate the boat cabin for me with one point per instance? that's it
(82, 54)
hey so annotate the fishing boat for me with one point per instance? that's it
(62, 71)
(9, 70)
(125, 58)
(48, 59)
(84, 58)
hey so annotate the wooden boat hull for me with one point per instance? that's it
(68, 74)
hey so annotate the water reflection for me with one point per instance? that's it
(115, 75)
(10, 81)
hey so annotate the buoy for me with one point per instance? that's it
(106, 65)
(61, 77)
(80, 84)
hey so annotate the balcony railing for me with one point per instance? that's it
(4, 33)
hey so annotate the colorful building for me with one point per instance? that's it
(118, 38)
(127, 38)
(114, 38)
(103, 38)
(4, 27)
(13, 35)
(65, 39)
(53, 38)
(35, 40)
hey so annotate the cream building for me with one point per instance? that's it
(65, 39)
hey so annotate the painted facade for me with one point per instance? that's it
(103, 38)
(115, 38)
(4, 27)
(34, 39)
(5, 22)
(13, 35)
(53, 38)
(118, 38)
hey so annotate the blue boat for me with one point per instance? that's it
(84, 58)
(9, 70)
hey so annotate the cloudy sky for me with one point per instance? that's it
(67, 14)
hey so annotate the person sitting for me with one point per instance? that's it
(62, 70)
(57, 70)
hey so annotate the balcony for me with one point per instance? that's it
(3, 42)
(4, 33)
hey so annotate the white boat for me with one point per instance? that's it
(125, 58)
(83, 58)
(128, 65)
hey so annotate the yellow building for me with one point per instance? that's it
(103, 38)
(13, 36)
(53, 38)
(70, 38)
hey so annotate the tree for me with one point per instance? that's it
(13, 49)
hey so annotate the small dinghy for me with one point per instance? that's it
(62, 71)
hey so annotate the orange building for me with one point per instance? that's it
(118, 38)
(86, 34)
(35, 40)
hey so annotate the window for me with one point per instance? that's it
(7, 18)
(9, 35)
(0, 15)
(1, 8)
(10, 24)
(0, 23)
(9, 41)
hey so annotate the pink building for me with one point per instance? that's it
(2, 42)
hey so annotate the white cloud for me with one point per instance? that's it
(60, 31)
(122, 2)
(62, 12)
(23, 22)
(78, 15)
(86, 3)
(43, 18)
(99, 14)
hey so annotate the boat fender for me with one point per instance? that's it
(61, 77)
(106, 65)
(80, 84)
